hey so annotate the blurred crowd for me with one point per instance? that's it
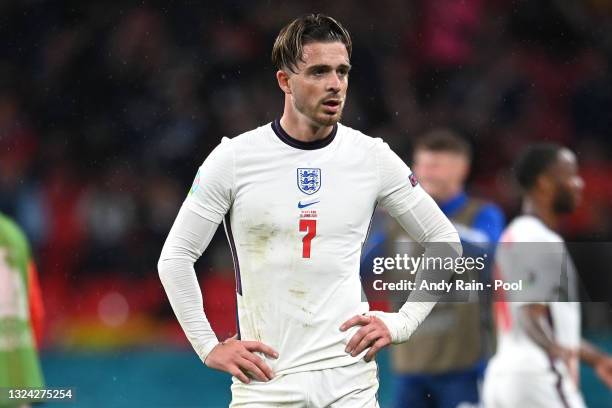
(108, 108)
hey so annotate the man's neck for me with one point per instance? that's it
(534, 206)
(300, 128)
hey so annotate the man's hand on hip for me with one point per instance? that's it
(239, 359)
(373, 334)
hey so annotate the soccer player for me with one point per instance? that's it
(296, 197)
(21, 314)
(443, 363)
(539, 342)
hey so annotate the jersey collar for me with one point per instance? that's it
(298, 144)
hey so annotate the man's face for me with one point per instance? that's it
(441, 174)
(318, 88)
(568, 183)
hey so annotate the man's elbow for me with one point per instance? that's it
(448, 235)
(170, 265)
(162, 268)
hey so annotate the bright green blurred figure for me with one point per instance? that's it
(20, 314)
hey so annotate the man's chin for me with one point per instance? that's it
(564, 208)
(329, 120)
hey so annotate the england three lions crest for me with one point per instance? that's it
(309, 180)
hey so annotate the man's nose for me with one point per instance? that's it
(334, 83)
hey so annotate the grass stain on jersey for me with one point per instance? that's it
(298, 293)
(260, 236)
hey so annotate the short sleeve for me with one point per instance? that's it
(540, 268)
(210, 195)
(399, 190)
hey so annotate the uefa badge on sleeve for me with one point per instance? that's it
(413, 180)
(309, 180)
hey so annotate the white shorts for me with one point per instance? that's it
(546, 390)
(352, 386)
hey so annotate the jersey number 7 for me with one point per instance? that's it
(309, 226)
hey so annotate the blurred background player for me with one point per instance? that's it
(21, 313)
(443, 362)
(539, 340)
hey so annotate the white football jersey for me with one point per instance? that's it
(296, 215)
(531, 252)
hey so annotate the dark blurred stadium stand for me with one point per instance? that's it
(106, 111)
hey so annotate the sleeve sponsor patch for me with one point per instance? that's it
(413, 180)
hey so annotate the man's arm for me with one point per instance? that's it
(535, 320)
(426, 224)
(188, 238)
(600, 361)
(404, 199)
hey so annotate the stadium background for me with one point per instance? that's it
(108, 108)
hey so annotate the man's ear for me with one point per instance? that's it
(283, 81)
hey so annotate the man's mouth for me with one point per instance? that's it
(332, 105)
(332, 102)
